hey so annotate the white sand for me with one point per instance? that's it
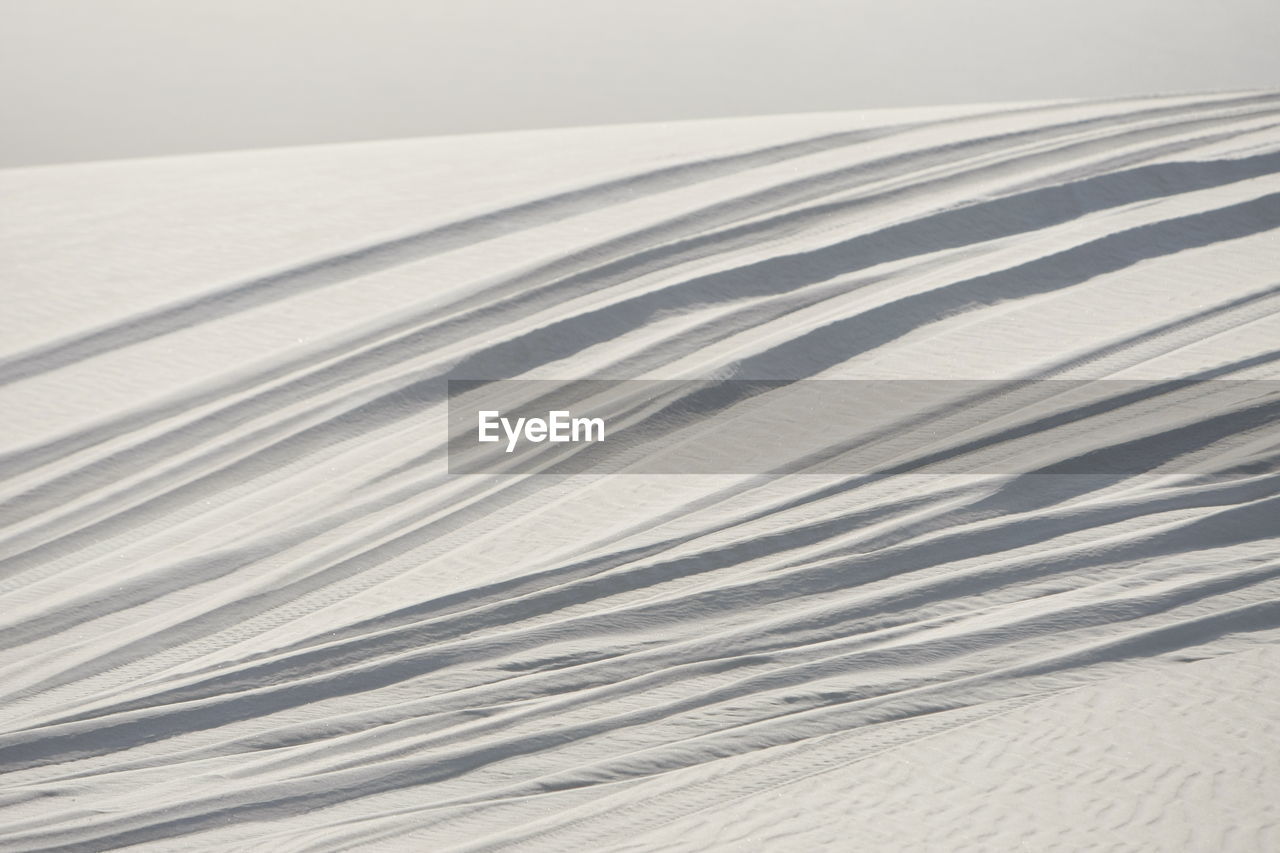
(243, 607)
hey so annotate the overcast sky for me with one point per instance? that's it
(96, 79)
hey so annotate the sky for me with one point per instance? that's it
(104, 79)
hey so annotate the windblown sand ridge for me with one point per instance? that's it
(243, 604)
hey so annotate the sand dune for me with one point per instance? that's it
(245, 605)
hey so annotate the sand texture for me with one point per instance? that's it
(244, 605)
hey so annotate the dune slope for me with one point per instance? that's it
(244, 605)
